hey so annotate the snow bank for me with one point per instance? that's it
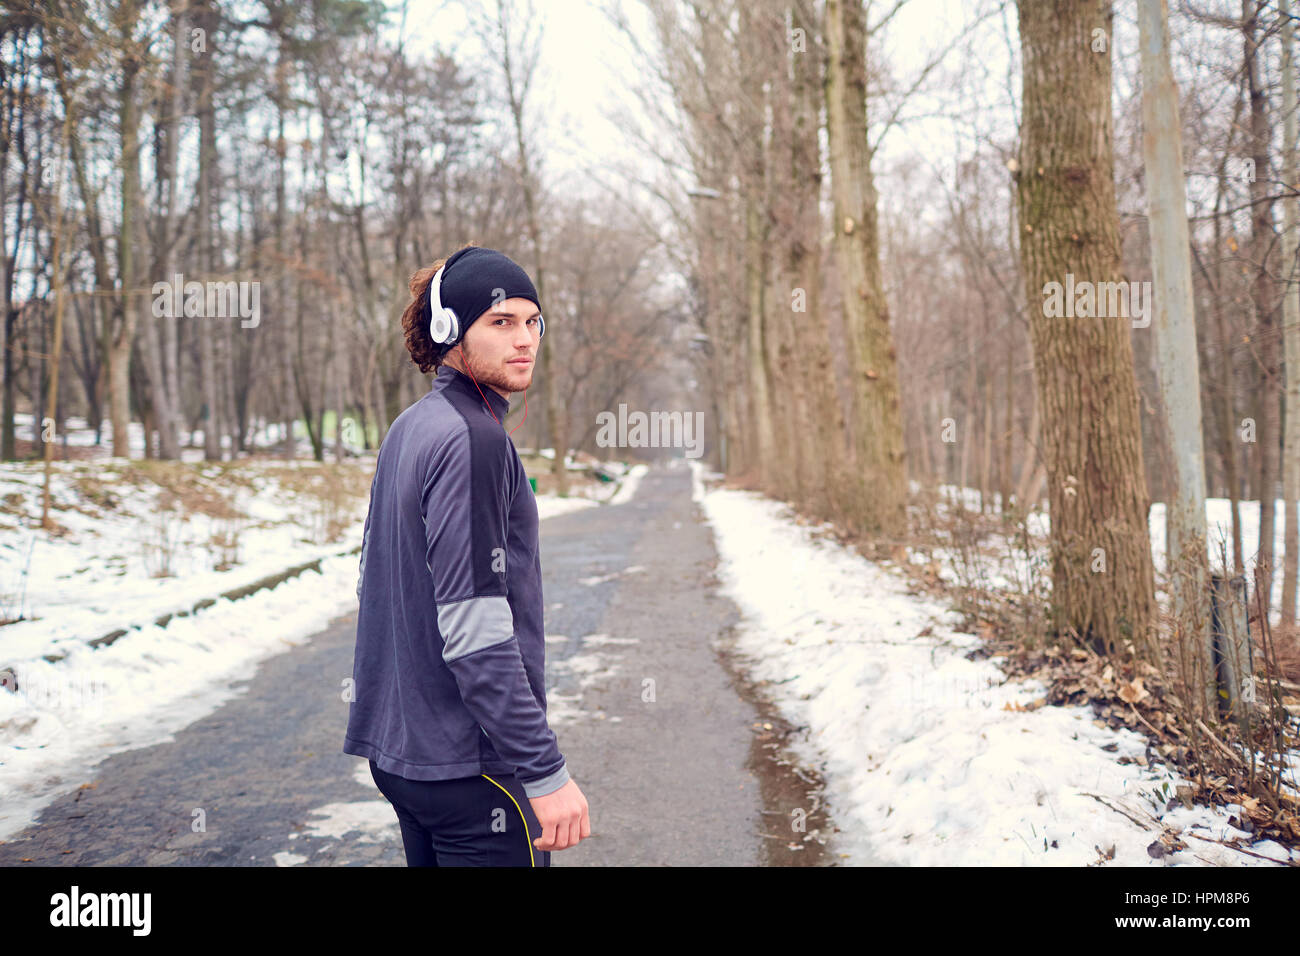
(927, 759)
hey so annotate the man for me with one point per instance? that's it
(449, 699)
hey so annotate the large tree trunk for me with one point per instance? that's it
(877, 418)
(1102, 578)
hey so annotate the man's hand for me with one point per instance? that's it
(563, 816)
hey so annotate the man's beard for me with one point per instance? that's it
(488, 375)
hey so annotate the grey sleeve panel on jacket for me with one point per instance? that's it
(548, 784)
(474, 624)
(465, 503)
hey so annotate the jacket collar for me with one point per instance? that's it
(449, 377)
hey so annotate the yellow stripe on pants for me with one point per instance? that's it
(527, 836)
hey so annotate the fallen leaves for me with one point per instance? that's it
(1165, 844)
(1133, 691)
(1024, 708)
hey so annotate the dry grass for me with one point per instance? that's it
(189, 489)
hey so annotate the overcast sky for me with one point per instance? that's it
(579, 73)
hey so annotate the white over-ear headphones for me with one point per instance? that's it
(444, 327)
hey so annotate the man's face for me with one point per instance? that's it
(501, 346)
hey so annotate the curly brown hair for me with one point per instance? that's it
(425, 353)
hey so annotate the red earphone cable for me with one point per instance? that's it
(489, 404)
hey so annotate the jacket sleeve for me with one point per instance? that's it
(465, 504)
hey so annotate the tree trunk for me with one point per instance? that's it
(1264, 291)
(208, 333)
(119, 352)
(877, 419)
(782, 327)
(60, 281)
(1175, 328)
(1229, 437)
(1008, 430)
(820, 439)
(1290, 322)
(154, 337)
(7, 293)
(172, 221)
(1102, 578)
(753, 61)
(284, 345)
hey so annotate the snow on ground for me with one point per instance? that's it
(926, 760)
(100, 575)
(1011, 567)
(262, 436)
(548, 506)
(1218, 520)
(147, 685)
(70, 714)
(372, 819)
(627, 490)
(570, 677)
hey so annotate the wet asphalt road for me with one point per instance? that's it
(647, 715)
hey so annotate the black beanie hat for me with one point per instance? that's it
(474, 279)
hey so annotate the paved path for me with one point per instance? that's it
(656, 729)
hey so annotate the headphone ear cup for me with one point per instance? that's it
(443, 327)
